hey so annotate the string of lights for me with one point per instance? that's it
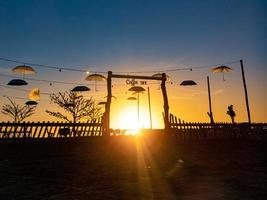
(75, 69)
(86, 71)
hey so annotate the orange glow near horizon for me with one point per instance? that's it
(126, 118)
(124, 114)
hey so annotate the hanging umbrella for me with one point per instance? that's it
(95, 77)
(137, 89)
(31, 103)
(23, 69)
(80, 88)
(221, 69)
(188, 83)
(34, 94)
(131, 98)
(17, 82)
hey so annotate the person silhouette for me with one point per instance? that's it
(231, 113)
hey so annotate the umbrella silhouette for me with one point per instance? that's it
(23, 69)
(80, 88)
(95, 77)
(221, 69)
(31, 103)
(188, 83)
(131, 98)
(34, 94)
(17, 82)
(137, 90)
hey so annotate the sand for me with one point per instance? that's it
(132, 168)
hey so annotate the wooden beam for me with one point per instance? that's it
(137, 77)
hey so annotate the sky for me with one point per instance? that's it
(139, 35)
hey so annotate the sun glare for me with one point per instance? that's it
(126, 119)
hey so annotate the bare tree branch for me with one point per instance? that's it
(76, 105)
(16, 112)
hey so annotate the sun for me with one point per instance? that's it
(124, 116)
(126, 119)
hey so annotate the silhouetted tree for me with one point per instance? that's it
(16, 111)
(76, 105)
(231, 113)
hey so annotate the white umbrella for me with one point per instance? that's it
(221, 69)
(95, 77)
(23, 69)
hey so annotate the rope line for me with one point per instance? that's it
(119, 72)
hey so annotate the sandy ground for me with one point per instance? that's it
(132, 168)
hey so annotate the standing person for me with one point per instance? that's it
(231, 113)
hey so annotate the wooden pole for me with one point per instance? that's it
(149, 106)
(107, 108)
(245, 89)
(138, 120)
(166, 103)
(210, 108)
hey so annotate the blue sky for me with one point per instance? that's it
(126, 35)
(105, 32)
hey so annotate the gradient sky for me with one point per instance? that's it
(143, 35)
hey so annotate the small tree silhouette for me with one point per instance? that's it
(231, 113)
(76, 105)
(17, 112)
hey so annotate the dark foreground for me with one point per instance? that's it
(132, 168)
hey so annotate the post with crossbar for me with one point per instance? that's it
(166, 103)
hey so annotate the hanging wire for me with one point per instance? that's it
(46, 66)
(119, 72)
(86, 71)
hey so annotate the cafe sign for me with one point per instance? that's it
(134, 82)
